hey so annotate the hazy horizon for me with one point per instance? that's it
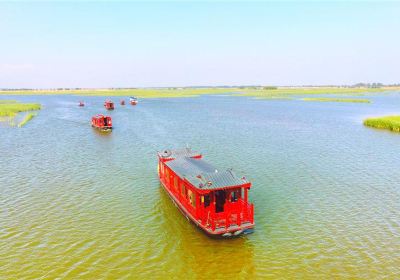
(176, 44)
(196, 86)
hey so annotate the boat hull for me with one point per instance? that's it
(103, 129)
(219, 232)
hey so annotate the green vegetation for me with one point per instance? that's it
(299, 91)
(11, 109)
(275, 98)
(389, 122)
(2, 101)
(140, 93)
(26, 119)
(253, 91)
(337, 100)
(260, 92)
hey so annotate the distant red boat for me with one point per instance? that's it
(216, 201)
(81, 104)
(109, 105)
(122, 102)
(101, 122)
(133, 100)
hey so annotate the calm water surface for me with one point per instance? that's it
(75, 203)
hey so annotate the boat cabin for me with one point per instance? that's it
(133, 100)
(102, 122)
(215, 200)
(109, 105)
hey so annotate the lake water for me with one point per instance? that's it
(75, 203)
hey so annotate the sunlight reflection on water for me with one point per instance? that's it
(80, 204)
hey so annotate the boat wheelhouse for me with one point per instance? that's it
(133, 100)
(102, 123)
(109, 105)
(216, 201)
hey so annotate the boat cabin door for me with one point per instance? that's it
(220, 197)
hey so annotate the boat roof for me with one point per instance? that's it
(203, 175)
(186, 152)
(101, 116)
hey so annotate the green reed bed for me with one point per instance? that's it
(326, 99)
(138, 92)
(388, 122)
(274, 98)
(266, 93)
(11, 109)
(6, 101)
(259, 92)
(26, 119)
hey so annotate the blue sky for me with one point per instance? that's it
(142, 44)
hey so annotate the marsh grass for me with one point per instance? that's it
(326, 99)
(259, 92)
(6, 101)
(140, 93)
(274, 98)
(388, 122)
(11, 109)
(269, 93)
(26, 119)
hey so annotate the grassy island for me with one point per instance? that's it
(389, 122)
(325, 99)
(12, 108)
(9, 109)
(271, 93)
(26, 119)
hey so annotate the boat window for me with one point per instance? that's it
(234, 196)
(183, 190)
(220, 199)
(192, 198)
(176, 183)
(207, 200)
(167, 175)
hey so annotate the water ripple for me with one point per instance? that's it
(78, 204)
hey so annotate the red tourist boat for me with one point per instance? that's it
(122, 102)
(216, 201)
(81, 104)
(133, 100)
(101, 122)
(109, 105)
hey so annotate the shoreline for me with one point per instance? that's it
(258, 92)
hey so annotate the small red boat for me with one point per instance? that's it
(216, 201)
(109, 105)
(122, 102)
(133, 100)
(101, 122)
(81, 104)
